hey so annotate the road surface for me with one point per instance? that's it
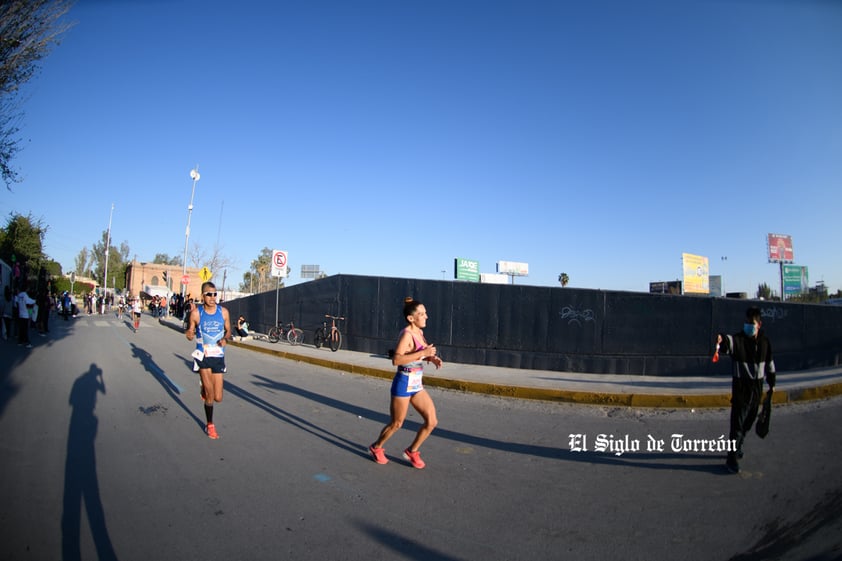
(104, 457)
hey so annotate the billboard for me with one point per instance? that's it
(665, 287)
(310, 271)
(513, 268)
(466, 269)
(796, 280)
(779, 248)
(696, 274)
(716, 285)
(493, 278)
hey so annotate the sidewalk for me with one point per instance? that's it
(573, 387)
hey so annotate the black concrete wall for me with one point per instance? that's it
(548, 328)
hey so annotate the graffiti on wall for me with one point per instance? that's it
(576, 316)
(773, 314)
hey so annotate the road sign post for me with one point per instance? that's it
(279, 263)
(279, 269)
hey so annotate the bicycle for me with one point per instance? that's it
(294, 335)
(330, 336)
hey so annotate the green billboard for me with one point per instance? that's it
(466, 269)
(795, 279)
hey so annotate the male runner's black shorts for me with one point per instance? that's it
(215, 363)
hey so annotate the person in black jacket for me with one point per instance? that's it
(751, 353)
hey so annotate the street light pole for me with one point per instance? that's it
(107, 251)
(194, 175)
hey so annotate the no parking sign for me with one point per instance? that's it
(279, 263)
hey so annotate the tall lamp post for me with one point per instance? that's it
(194, 175)
(107, 251)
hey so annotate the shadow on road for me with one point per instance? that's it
(817, 530)
(14, 356)
(171, 388)
(80, 478)
(405, 548)
(711, 463)
(8, 387)
(296, 421)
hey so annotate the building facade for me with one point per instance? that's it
(156, 279)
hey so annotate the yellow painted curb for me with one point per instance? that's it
(566, 396)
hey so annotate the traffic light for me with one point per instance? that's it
(166, 279)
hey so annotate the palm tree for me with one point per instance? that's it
(764, 292)
(563, 279)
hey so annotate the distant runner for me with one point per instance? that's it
(136, 312)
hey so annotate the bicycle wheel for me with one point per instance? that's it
(273, 334)
(319, 338)
(295, 336)
(335, 340)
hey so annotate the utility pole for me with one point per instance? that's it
(194, 175)
(107, 251)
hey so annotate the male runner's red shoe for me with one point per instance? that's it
(212, 431)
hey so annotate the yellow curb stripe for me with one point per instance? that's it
(565, 396)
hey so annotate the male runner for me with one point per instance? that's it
(211, 326)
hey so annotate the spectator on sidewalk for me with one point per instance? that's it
(25, 306)
(6, 306)
(242, 327)
(42, 321)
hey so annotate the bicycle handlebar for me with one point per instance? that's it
(333, 317)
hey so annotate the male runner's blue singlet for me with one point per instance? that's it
(209, 332)
(408, 379)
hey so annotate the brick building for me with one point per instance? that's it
(150, 279)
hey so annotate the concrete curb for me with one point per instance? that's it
(668, 401)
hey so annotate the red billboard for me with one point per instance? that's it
(780, 249)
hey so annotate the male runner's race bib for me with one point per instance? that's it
(213, 350)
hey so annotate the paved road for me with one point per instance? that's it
(103, 457)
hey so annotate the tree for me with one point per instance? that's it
(215, 262)
(563, 279)
(165, 259)
(28, 29)
(8, 142)
(21, 243)
(23, 239)
(257, 278)
(764, 292)
(83, 263)
(53, 268)
(117, 263)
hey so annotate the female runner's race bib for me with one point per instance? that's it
(414, 381)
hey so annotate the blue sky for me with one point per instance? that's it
(601, 139)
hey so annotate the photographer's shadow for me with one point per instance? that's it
(80, 476)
